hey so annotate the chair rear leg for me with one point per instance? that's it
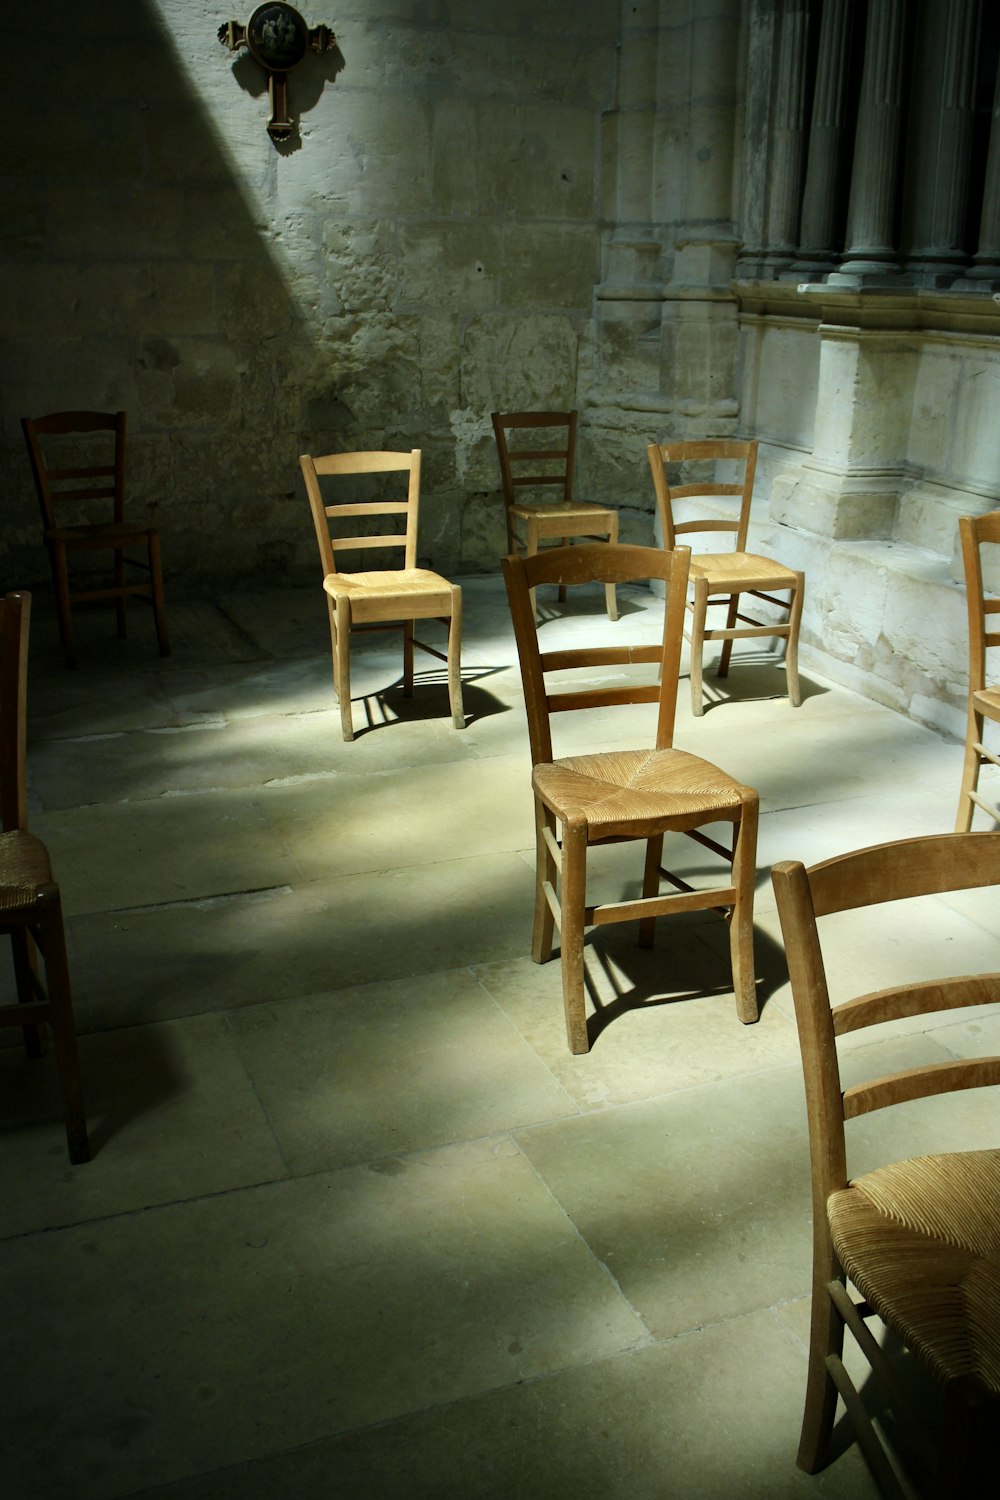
(159, 610)
(546, 872)
(795, 604)
(651, 887)
(342, 666)
(26, 982)
(970, 771)
(741, 916)
(455, 659)
(699, 608)
(826, 1340)
(60, 576)
(120, 586)
(610, 592)
(564, 541)
(407, 658)
(63, 1026)
(722, 670)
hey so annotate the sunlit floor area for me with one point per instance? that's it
(357, 1223)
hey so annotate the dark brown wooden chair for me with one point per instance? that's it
(71, 475)
(919, 1239)
(30, 906)
(984, 700)
(721, 579)
(546, 461)
(380, 599)
(619, 795)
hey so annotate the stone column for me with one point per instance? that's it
(940, 240)
(821, 202)
(761, 43)
(787, 143)
(871, 228)
(986, 262)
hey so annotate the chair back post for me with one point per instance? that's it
(52, 481)
(595, 562)
(713, 450)
(345, 465)
(15, 614)
(974, 531)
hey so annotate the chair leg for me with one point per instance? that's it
(61, 579)
(342, 666)
(26, 982)
(159, 611)
(571, 932)
(455, 659)
(741, 916)
(722, 670)
(407, 658)
(564, 541)
(651, 887)
(970, 771)
(120, 613)
(826, 1341)
(546, 873)
(63, 1027)
(610, 592)
(530, 548)
(699, 609)
(792, 645)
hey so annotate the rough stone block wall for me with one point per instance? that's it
(424, 251)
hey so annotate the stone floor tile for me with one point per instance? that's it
(225, 1329)
(171, 1115)
(444, 1063)
(126, 854)
(685, 1420)
(698, 1202)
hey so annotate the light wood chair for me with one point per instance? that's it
(722, 578)
(919, 1239)
(391, 599)
(984, 701)
(81, 478)
(30, 905)
(618, 795)
(547, 461)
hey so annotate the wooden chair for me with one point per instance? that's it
(547, 462)
(721, 578)
(386, 600)
(30, 907)
(984, 701)
(80, 478)
(920, 1238)
(619, 795)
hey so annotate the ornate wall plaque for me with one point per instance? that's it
(277, 37)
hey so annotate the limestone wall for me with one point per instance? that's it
(425, 251)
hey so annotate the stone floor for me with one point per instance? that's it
(357, 1224)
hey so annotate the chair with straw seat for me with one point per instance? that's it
(545, 461)
(620, 795)
(30, 905)
(920, 1238)
(387, 599)
(722, 579)
(984, 700)
(78, 460)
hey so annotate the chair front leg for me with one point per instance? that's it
(26, 983)
(407, 658)
(455, 659)
(63, 1027)
(741, 916)
(120, 586)
(60, 574)
(573, 897)
(159, 612)
(651, 887)
(792, 645)
(546, 873)
(970, 770)
(722, 670)
(826, 1340)
(342, 664)
(699, 609)
(610, 593)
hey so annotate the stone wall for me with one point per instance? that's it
(422, 252)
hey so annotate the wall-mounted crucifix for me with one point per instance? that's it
(277, 37)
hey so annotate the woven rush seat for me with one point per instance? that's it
(24, 865)
(741, 570)
(619, 792)
(553, 518)
(387, 586)
(920, 1239)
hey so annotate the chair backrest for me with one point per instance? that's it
(596, 562)
(974, 531)
(882, 873)
(15, 613)
(707, 452)
(327, 515)
(546, 458)
(85, 468)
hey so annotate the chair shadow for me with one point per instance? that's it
(751, 679)
(390, 705)
(635, 975)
